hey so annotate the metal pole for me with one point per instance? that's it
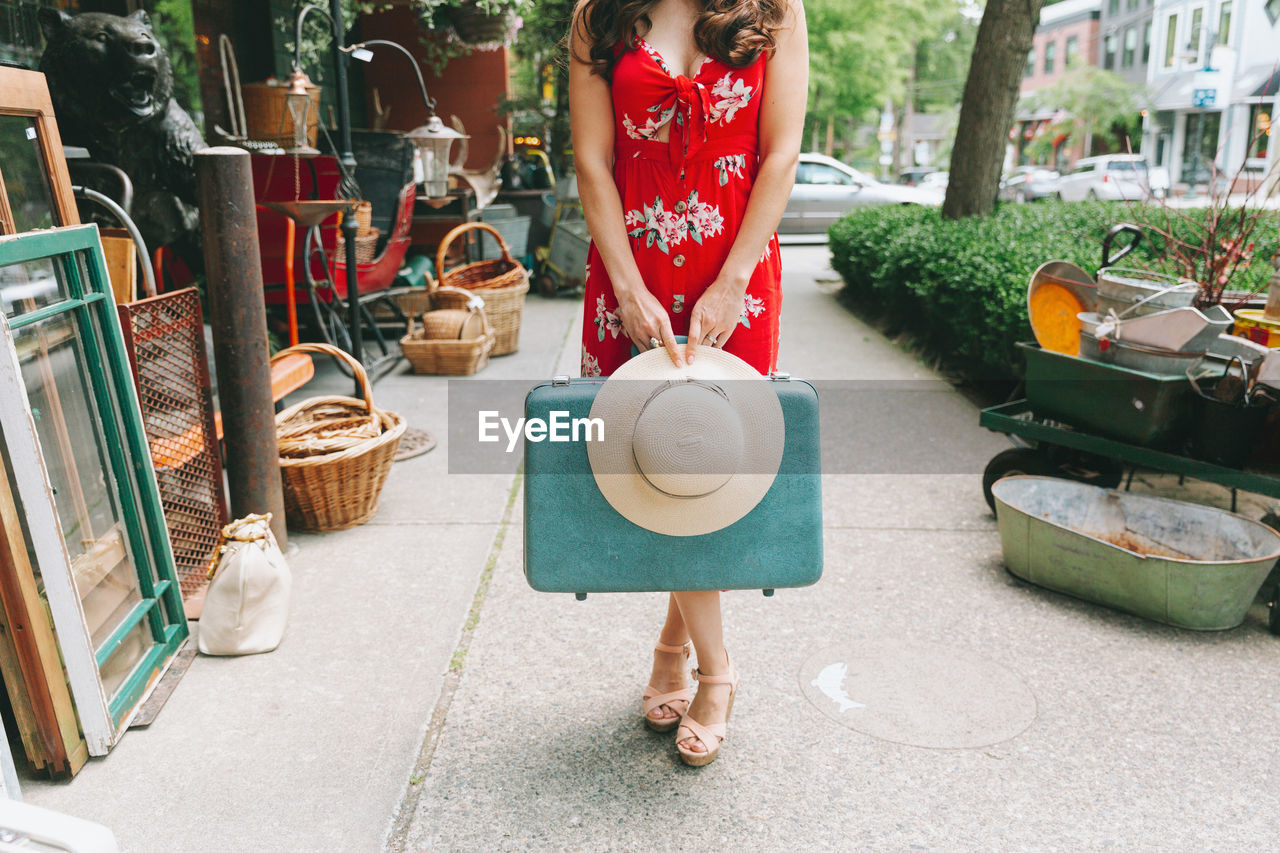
(348, 160)
(233, 274)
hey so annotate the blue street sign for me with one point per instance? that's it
(1202, 98)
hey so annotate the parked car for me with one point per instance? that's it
(936, 180)
(826, 189)
(1111, 177)
(915, 177)
(1029, 183)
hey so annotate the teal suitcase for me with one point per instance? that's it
(575, 541)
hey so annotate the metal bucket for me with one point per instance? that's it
(1134, 293)
(1175, 562)
(1136, 357)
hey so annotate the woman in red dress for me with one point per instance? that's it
(687, 117)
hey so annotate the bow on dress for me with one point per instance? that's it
(692, 103)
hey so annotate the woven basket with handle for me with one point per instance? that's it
(366, 247)
(454, 355)
(335, 453)
(502, 282)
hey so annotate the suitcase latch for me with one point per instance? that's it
(560, 380)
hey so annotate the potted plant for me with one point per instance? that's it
(473, 24)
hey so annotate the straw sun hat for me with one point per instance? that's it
(686, 450)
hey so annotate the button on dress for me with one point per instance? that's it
(683, 201)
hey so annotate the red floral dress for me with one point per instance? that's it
(683, 201)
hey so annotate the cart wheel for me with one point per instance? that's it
(546, 285)
(1015, 460)
(1093, 470)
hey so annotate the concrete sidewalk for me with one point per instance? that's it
(977, 711)
(918, 697)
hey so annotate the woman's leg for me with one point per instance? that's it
(668, 668)
(701, 612)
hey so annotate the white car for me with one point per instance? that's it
(1111, 177)
(826, 189)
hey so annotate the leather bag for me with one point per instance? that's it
(247, 604)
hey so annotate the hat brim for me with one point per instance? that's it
(618, 405)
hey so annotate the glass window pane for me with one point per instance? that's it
(27, 287)
(52, 359)
(125, 659)
(23, 173)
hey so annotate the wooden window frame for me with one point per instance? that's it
(25, 93)
(102, 718)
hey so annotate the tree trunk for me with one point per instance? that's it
(986, 112)
(830, 148)
(904, 155)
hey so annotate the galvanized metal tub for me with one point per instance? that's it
(1175, 562)
(1134, 292)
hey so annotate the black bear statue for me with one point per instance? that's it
(112, 91)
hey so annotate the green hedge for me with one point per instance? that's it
(960, 287)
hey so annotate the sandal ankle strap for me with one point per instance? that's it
(726, 678)
(675, 650)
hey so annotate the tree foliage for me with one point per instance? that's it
(541, 52)
(1092, 102)
(868, 53)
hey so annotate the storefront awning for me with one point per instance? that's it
(1175, 92)
(1261, 81)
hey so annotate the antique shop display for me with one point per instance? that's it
(112, 87)
(82, 475)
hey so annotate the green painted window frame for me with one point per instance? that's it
(89, 301)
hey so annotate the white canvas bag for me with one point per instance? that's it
(247, 604)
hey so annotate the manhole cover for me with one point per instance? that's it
(414, 442)
(918, 694)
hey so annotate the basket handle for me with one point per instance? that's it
(462, 229)
(357, 369)
(471, 296)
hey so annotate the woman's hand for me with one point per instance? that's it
(644, 319)
(716, 314)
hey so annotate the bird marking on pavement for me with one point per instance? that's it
(831, 682)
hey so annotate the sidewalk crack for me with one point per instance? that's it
(403, 818)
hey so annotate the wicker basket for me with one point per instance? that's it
(335, 453)
(364, 218)
(366, 247)
(501, 281)
(445, 356)
(420, 300)
(267, 117)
